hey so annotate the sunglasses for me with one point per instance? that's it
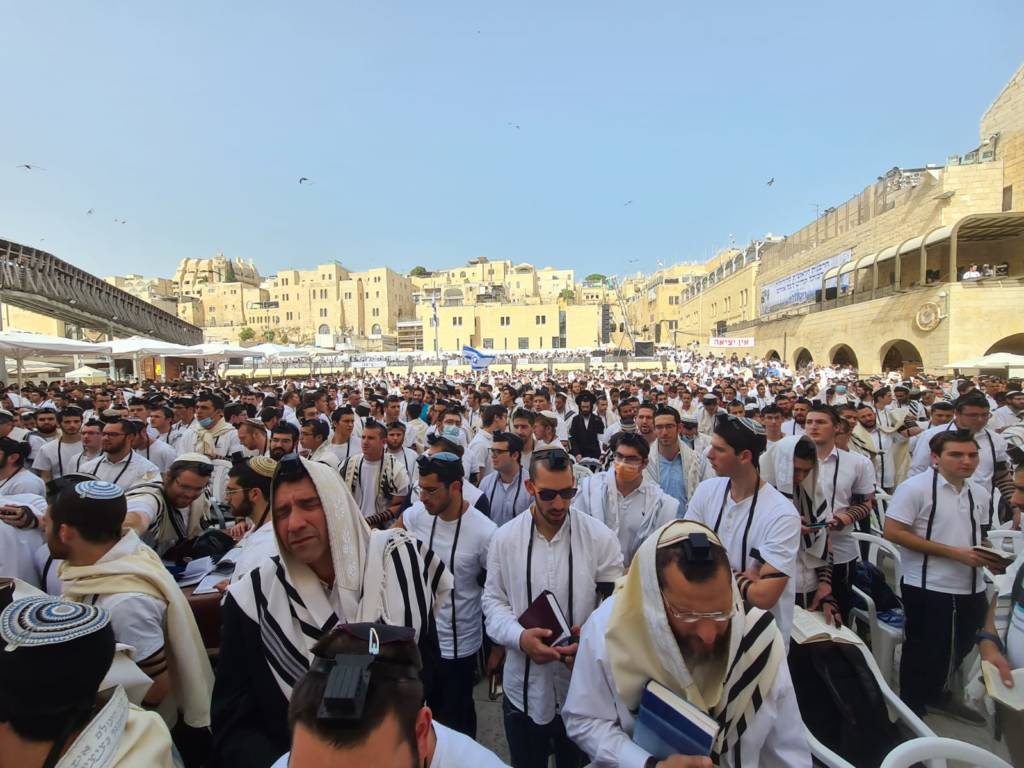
(549, 494)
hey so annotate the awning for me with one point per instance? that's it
(886, 254)
(938, 235)
(911, 245)
(848, 267)
(990, 226)
(866, 261)
(830, 274)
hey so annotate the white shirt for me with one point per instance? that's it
(18, 546)
(407, 457)
(1003, 417)
(885, 462)
(791, 427)
(456, 750)
(602, 725)
(254, 549)
(368, 474)
(160, 454)
(475, 532)
(506, 500)
(596, 558)
(48, 460)
(955, 523)
(127, 472)
(477, 460)
(922, 459)
(344, 451)
(23, 481)
(774, 532)
(856, 476)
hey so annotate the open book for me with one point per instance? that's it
(668, 724)
(810, 627)
(545, 612)
(1011, 697)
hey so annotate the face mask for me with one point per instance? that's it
(626, 472)
(451, 431)
(206, 423)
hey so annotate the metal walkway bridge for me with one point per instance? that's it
(40, 282)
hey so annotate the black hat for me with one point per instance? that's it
(585, 397)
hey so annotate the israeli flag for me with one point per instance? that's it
(477, 360)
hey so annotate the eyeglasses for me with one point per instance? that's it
(233, 491)
(692, 617)
(498, 451)
(549, 494)
(632, 461)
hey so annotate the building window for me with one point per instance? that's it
(673, 324)
(378, 295)
(323, 330)
(488, 343)
(541, 319)
(505, 320)
(456, 320)
(287, 315)
(348, 294)
(1008, 198)
(376, 313)
(524, 342)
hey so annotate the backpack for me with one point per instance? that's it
(870, 579)
(841, 702)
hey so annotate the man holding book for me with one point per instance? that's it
(937, 519)
(706, 678)
(545, 558)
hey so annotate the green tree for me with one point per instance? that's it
(596, 277)
(268, 335)
(567, 294)
(246, 334)
(417, 272)
(229, 274)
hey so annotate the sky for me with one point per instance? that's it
(606, 137)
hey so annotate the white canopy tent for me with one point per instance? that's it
(219, 351)
(995, 360)
(21, 345)
(87, 374)
(138, 347)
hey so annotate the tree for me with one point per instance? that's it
(418, 272)
(596, 277)
(246, 334)
(268, 335)
(229, 273)
(567, 294)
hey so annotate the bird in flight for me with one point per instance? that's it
(120, 221)
(633, 261)
(628, 202)
(305, 180)
(30, 167)
(514, 125)
(89, 212)
(771, 181)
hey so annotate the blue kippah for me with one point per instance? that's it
(46, 620)
(98, 489)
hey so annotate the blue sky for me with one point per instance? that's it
(439, 132)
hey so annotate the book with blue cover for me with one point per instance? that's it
(667, 724)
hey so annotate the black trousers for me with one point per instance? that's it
(451, 697)
(842, 577)
(529, 744)
(938, 634)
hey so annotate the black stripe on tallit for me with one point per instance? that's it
(421, 599)
(309, 630)
(750, 674)
(278, 650)
(403, 585)
(749, 639)
(293, 594)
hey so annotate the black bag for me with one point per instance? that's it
(869, 579)
(212, 542)
(841, 702)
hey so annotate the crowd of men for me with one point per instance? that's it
(378, 540)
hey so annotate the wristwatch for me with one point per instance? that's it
(981, 634)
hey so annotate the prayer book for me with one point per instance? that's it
(668, 724)
(1005, 557)
(209, 582)
(810, 627)
(546, 613)
(1011, 697)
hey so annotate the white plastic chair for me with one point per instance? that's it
(1007, 540)
(884, 638)
(937, 750)
(882, 500)
(897, 709)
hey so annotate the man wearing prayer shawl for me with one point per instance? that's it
(330, 569)
(54, 655)
(677, 618)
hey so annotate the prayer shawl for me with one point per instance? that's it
(777, 469)
(384, 576)
(601, 499)
(863, 443)
(143, 572)
(641, 647)
(889, 422)
(121, 735)
(169, 529)
(206, 439)
(692, 467)
(391, 478)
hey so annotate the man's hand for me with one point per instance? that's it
(495, 659)
(831, 613)
(976, 559)
(991, 654)
(531, 642)
(685, 761)
(17, 517)
(824, 590)
(238, 530)
(568, 652)
(840, 519)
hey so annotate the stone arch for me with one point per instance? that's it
(802, 357)
(900, 355)
(773, 354)
(324, 329)
(1013, 344)
(375, 330)
(843, 355)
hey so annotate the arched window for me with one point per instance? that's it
(324, 329)
(375, 330)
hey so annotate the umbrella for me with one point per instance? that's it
(219, 351)
(995, 360)
(86, 373)
(20, 344)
